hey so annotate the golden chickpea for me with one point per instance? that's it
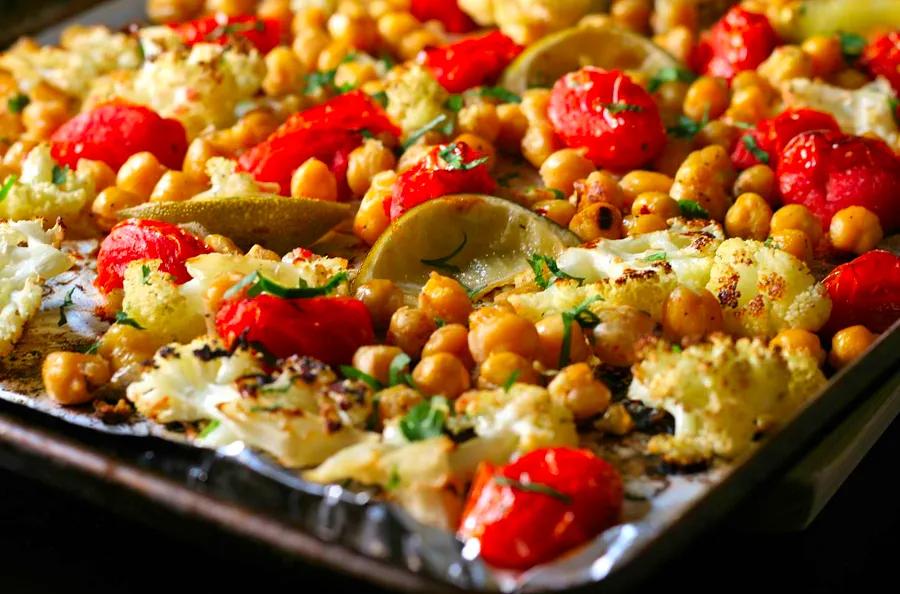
(706, 177)
(254, 127)
(16, 153)
(443, 298)
(534, 105)
(673, 154)
(174, 186)
(748, 217)
(354, 74)
(670, 97)
(691, 314)
(443, 374)
(171, 11)
(222, 245)
(382, 298)
(109, 202)
(749, 104)
(797, 216)
(231, 7)
(42, 118)
(794, 242)
(785, 63)
(481, 119)
(615, 421)
(558, 211)
(500, 367)
(99, 172)
(396, 401)
(718, 132)
(855, 229)
(284, 72)
(797, 339)
(332, 55)
(600, 186)
(512, 125)
(69, 378)
(658, 203)
(707, 97)
(308, 45)
(632, 14)
(453, 339)
(499, 332)
(563, 168)
(619, 330)
(310, 17)
(123, 345)
(358, 31)
(678, 41)
(313, 179)
(367, 161)
(825, 54)
(198, 153)
(279, 10)
(409, 329)
(644, 223)
(538, 143)
(394, 26)
(371, 220)
(413, 43)
(576, 388)
(481, 145)
(258, 252)
(848, 344)
(759, 179)
(600, 220)
(850, 78)
(140, 174)
(375, 360)
(551, 332)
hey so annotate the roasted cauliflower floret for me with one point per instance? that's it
(763, 290)
(153, 300)
(721, 393)
(414, 98)
(563, 295)
(226, 181)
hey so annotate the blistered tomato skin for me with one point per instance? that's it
(865, 291)
(882, 58)
(470, 62)
(112, 132)
(138, 239)
(447, 12)
(829, 171)
(773, 134)
(615, 119)
(577, 496)
(263, 34)
(740, 40)
(446, 169)
(329, 329)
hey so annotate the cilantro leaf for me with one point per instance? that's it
(454, 103)
(584, 317)
(319, 80)
(618, 107)
(145, 274)
(443, 263)
(752, 146)
(122, 318)
(657, 257)
(499, 93)
(537, 263)
(691, 209)
(455, 161)
(17, 102)
(397, 372)
(393, 480)
(670, 74)
(686, 127)
(425, 420)
(7, 186)
(353, 373)
(532, 487)
(59, 174)
(381, 97)
(439, 120)
(210, 427)
(510, 380)
(852, 46)
(257, 284)
(67, 302)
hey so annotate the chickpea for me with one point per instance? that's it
(551, 332)
(313, 179)
(534, 105)
(70, 377)
(357, 31)
(825, 54)
(706, 177)
(198, 153)
(850, 78)
(394, 26)
(678, 41)
(450, 338)
(673, 154)
(785, 63)
(632, 14)
(600, 220)
(332, 55)
(670, 97)
(139, 174)
(748, 104)
(279, 10)
(481, 119)
(558, 211)
(354, 74)
(410, 46)
(365, 162)
(375, 360)
(501, 331)
(658, 203)
(444, 298)
(109, 202)
(284, 72)
(308, 45)
(371, 220)
(222, 245)
(123, 345)
(691, 314)
(231, 7)
(797, 216)
(310, 17)
(855, 229)
(577, 389)
(382, 298)
(759, 179)
(171, 11)
(615, 421)
(397, 400)
(794, 242)
(644, 223)
(600, 186)
(174, 186)
(563, 168)
(619, 330)
(512, 126)
(254, 127)
(849, 344)
(538, 143)
(481, 145)
(498, 368)
(748, 217)
(409, 329)
(42, 118)
(797, 339)
(707, 97)
(16, 153)
(99, 172)
(441, 373)
(718, 132)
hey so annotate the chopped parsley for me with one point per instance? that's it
(210, 427)
(499, 93)
(455, 161)
(532, 487)
(381, 97)
(686, 127)
(122, 318)
(657, 257)
(319, 80)
(91, 350)
(503, 180)
(397, 374)
(17, 102)
(454, 103)
(353, 373)
(440, 122)
(393, 480)
(769, 242)
(7, 186)
(852, 46)
(670, 74)
(585, 318)
(538, 262)
(425, 420)
(558, 194)
(59, 174)
(752, 146)
(443, 263)
(691, 209)
(618, 107)
(510, 380)
(67, 302)
(145, 274)
(256, 284)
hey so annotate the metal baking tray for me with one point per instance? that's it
(139, 465)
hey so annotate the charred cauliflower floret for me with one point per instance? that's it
(415, 98)
(563, 295)
(226, 180)
(721, 393)
(153, 300)
(45, 189)
(764, 290)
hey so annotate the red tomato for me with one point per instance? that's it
(447, 12)
(112, 132)
(470, 62)
(574, 496)
(446, 169)
(828, 171)
(882, 58)
(328, 132)
(740, 40)
(772, 135)
(865, 291)
(264, 34)
(329, 329)
(604, 111)
(139, 239)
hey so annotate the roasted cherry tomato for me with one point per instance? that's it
(615, 119)
(328, 132)
(329, 329)
(112, 132)
(865, 291)
(446, 169)
(540, 506)
(264, 34)
(767, 140)
(470, 62)
(740, 40)
(882, 58)
(447, 12)
(829, 171)
(138, 239)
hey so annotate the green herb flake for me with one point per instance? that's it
(676, 348)
(455, 161)
(618, 107)
(691, 209)
(539, 261)
(397, 373)
(557, 193)
(381, 97)
(434, 124)
(532, 487)
(670, 74)
(67, 302)
(752, 146)
(425, 420)
(17, 102)
(769, 242)
(316, 81)
(443, 263)
(510, 380)
(503, 180)
(499, 93)
(657, 257)
(7, 186)
(122, 318)
(92, 350)
(145, 274)
(210, 427)
(256, 284)
(584, 317)
(454, 103)
(59, 175)
(685, 127)
(852, 46)
(393, 480)
(353, 373)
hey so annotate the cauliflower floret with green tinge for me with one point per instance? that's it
(415, 98)
(763, 290)
(226, 180)
(153, 300)
(45, 190)
(721, 393)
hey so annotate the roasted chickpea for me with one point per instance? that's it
(332, 55)
(109, 202)
(358, 31)
(551, 336)
(850, 78)
(382, 298)
(409, 329)
(538, 143)
(231, 7)
(394, 26)
(284, 72)
(99, 172)
(375, 360)
(576, 388)
(42, 118)
(308, 45)
(619, 330)
(499, 368)
(397, 400)
(512, 125)
(354, 74)
(678, 41)
(635, 183)
(279, 10)
(198, 153)
(855, 229)
(445, 299)
(849, 344)
(534, 105)
(410, 45)
(691, 314)
(673, 154)
(481, 119)
(69, 378)
(174, 186)
(600, 220)
(450, 338)
(558, 211)
(365, 162)
(797, 339)
(221, 244)
(140, 174)
(644, 223)
(759, 179)
(794, 242)
(718, 132)
(785, 63)
(797, 216)
(748, 217)
(313, 179)
(371, 220)
(123, 345)
(563, 168)
(481, 145)
(600, 186)
(748, 104)
(442, 373)
(172, 11)
(706, 177)
(825, 54)
(501, 331)
(658, 203)
(616, 420)
(632, 14)
(707, 97)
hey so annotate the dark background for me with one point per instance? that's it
(52, 542)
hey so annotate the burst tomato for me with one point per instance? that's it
(770, 136)
(264, 34)
(740, 40)
(865, 291)
(447, 12)
(470, 62)
(882, 58)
